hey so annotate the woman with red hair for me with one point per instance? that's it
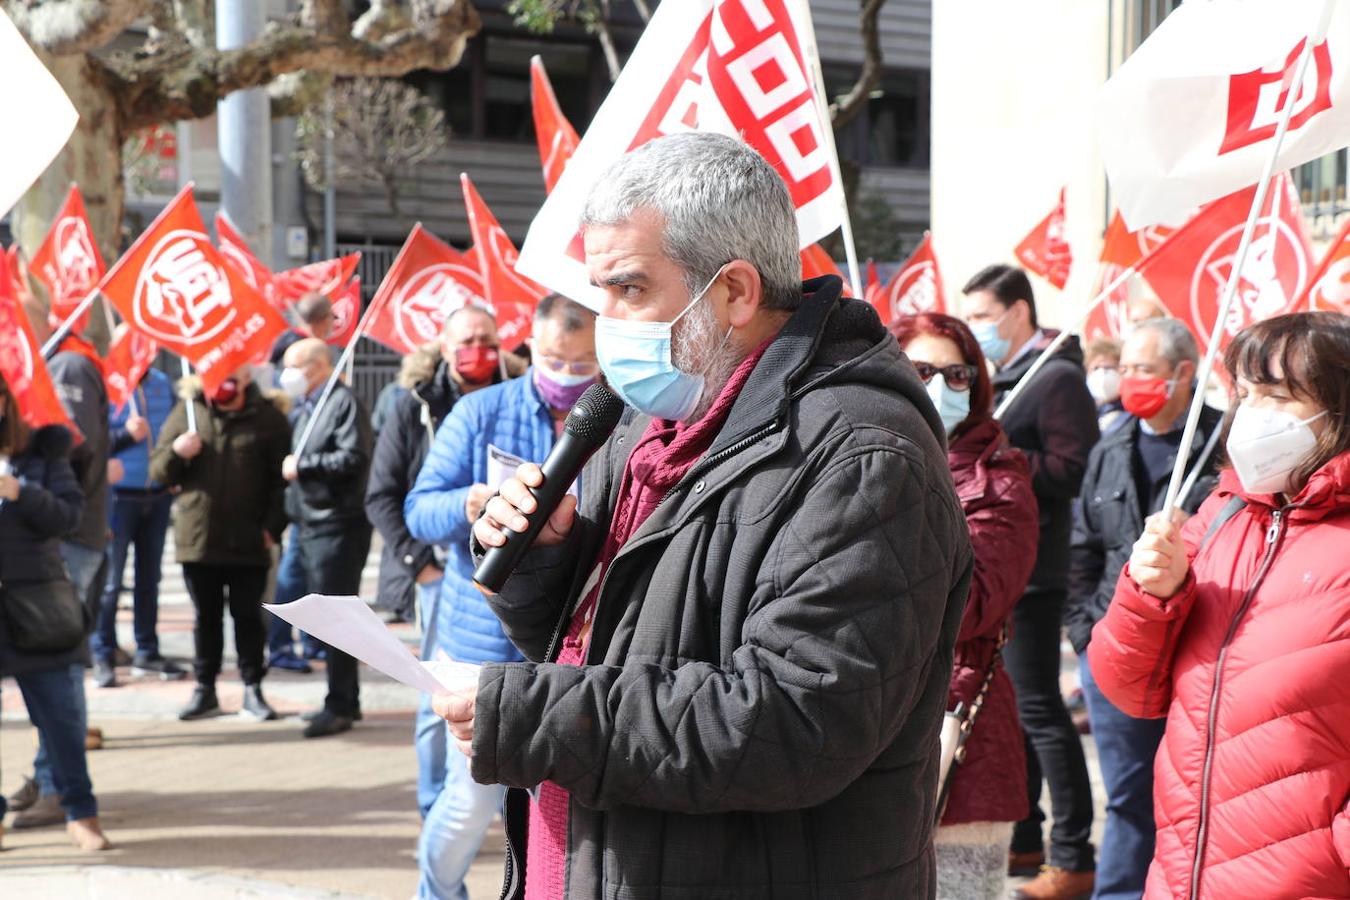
(988, 791)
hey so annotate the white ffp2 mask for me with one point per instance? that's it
(1265, 446)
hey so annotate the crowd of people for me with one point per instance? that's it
(809, 549)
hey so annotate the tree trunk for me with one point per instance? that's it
(92, 159)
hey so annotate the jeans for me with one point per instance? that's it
(85, 566)
(139, 520)
(430, 737)
(55, 702)
(454, 830)
(333, 556)
(291, 586)
(212, 588)
(1125, 748)
(1054, 749)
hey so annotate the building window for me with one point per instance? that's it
(893, 129)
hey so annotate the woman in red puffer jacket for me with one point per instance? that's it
(1236, 627)
(993, 483)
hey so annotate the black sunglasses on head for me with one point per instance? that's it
(959, 376)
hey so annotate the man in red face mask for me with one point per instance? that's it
(1126, 481)
(471, 348)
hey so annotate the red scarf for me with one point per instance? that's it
(73, 343)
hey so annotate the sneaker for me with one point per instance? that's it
(313, 714)
(326, 724)
(255, 707)
(46, 811)
(104, 674)
(1055, 883)
(154, 664)
(288, 661)
(25, 796)
(202, 704)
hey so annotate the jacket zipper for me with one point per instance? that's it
(1273, 535)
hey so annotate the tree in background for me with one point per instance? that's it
(174, 72)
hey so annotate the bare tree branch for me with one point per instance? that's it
(599, 26)
(63, 27)
(847, 107)
(196, 21)
(326, 16)
(187, 83)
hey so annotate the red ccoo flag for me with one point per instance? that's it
(1045, 250)
(176, 288)
(68, 262)
(1121, 250)
(1189, 270)
(916, 287)
(428, 280)
(237, 253)
(511, 295)
(21, 363)
(130, 355)
(346, 312)
(1330, 286)
(557, 138)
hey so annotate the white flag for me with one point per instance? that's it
(736, 67)
(37, 112)
(1191, 114)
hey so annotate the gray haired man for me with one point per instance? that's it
(739, 644)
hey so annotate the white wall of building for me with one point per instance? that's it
(1012, 92)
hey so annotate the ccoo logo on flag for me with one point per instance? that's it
(1275, 272)
(1256, 99)
(182, 295)
(423, 304)
(74, 268)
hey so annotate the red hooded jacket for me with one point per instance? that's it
(993, 483)
(1248, 662)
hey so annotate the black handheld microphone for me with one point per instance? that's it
(586, 429)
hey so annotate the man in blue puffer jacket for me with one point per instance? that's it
(139, 517)
(521, 417)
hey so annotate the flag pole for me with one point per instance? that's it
(342, 363)
(1060, 338)
(63, 331)
(188, 406)
(1244, 245)
(846, 226)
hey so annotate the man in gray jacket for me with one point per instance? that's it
(740, 643)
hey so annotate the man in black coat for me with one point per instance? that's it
(1126, 481)
(1053, 422)
(324, 501)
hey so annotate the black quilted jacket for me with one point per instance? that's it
(771, 649)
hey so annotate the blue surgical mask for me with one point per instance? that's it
(994, 345)
(953, 406)
(636, 359)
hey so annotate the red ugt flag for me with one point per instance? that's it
(176, 288)
(1189, 270)
(1045, 250)
(326, 277)
(21, 363)
(557, 138)
(68, 262)
(237, 253)
(816, 262)
(916, 288)
(428, 280)
(511, 295)
(130, 355)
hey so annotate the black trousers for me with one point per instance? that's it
(333, 555)
(212, 589)
(1054, 748)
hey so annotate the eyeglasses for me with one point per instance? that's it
(571, 368)
(959, 377)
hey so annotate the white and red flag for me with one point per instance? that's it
(557, 138)
(1045, 250)
(237, 253)
(916, 287)
(1122, 249)
(1191, 114)
(346, 312)
(35, 106)
(428, 280)
(175, 287)
(1188, 271)
(21, 363)
(68, 261)
(511, 295)
(327, 277)
(737, 67)
(129, 357)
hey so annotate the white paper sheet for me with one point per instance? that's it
(350, 625)
(503, 465)
(33, 103)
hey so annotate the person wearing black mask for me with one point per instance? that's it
(230, 512)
